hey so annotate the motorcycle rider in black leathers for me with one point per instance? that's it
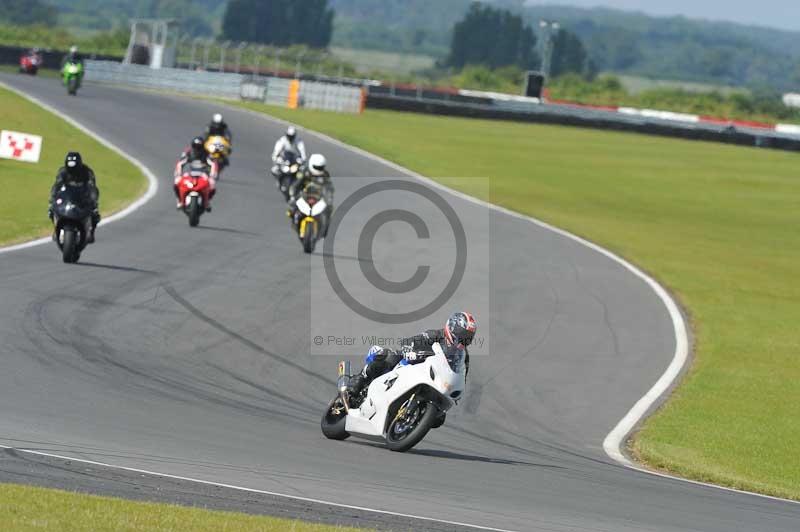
(75, 172)
(457, 333)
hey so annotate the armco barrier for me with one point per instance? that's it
(593, 118)
(171, 79)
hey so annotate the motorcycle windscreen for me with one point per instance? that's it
(71, 201)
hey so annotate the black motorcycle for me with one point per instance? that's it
(72, 217)
(286, 171)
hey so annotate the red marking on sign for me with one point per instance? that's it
(17, 152)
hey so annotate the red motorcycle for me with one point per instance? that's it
(29, 63)
(194, 191)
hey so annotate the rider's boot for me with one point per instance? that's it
(95, 221)
(356, 384)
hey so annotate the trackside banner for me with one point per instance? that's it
(20, 146)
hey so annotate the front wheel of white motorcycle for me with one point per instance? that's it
(333, 422)
(411, 423)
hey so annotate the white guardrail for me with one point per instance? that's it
(270, 90)
(172, 79)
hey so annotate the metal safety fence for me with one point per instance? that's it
(170, 79)
(291, 93)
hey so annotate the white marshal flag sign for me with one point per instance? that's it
(20, 146)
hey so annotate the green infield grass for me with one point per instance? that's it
(24, 508)
(719, 225)
(26, 186)
(43, 72)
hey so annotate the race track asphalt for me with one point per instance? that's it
(186, 352)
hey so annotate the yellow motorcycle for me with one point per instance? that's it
(219, 148)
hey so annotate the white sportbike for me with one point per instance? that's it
(400, 406)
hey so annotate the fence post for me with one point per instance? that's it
(193, 53)
(206, 53)
(222, 49)
(322, 58)
(298, 58)
(239, 49)
(257, 68)
(278, 53)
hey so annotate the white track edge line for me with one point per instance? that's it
(152, 186)
(254, 490)
(614, 442)
(151, 191)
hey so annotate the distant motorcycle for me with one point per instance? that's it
(72, 74)
(286, 171)
(310, 216)
(73, 220)
(194, 191)
(219, 148)
(29, 63)
(400, 406)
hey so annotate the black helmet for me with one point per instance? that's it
(460, 329)
(198, 146)
(73, 162)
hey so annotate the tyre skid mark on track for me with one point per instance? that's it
(615, 441)
(613, 444)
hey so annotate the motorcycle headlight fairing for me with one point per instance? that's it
(318, 208)
(304, 207)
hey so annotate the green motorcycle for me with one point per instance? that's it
(72, 74)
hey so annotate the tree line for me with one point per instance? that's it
(496, 38)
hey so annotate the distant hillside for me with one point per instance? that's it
(618, 41)
(203, 15)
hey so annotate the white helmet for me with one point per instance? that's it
(316, 164)
(73, 49)
(291, 133)
(217, 118)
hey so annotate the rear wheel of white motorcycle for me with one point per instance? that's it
(409, 427)
(333, 421)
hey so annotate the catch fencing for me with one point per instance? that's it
(170, 79)
(341, 97)
(291, 93)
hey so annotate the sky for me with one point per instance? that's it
(783, 14)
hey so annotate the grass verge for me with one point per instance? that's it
(24, 508)
(43, 72)
(717, 224)
(26, 186)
